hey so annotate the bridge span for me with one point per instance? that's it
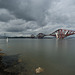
(59, 34)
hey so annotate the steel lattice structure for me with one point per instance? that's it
(62, 33)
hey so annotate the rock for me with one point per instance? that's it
(2, 54)
(0, 49)
(19, 60)
(39, 70)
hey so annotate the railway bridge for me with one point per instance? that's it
(59, 34)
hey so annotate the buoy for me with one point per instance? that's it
(7, 40)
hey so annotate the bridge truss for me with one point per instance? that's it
(62, 33)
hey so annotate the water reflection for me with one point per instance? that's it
(61, 43)
(61, 46)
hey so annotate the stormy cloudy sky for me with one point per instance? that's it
(20, 17)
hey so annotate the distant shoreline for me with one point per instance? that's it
(32, 37)
(27, 37)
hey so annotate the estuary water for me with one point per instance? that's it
(23, 56)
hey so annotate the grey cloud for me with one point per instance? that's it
(15, 29)
(62, 12)
(5, 15)
(30, 10)
(36, 15)
(19, 25)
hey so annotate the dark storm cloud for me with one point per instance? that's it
(36, 15)
(15, 29)
(20, 25)
(26, 9)
(5, 15)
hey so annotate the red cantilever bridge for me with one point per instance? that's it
(60, 33)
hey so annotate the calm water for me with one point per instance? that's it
(56, 57)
